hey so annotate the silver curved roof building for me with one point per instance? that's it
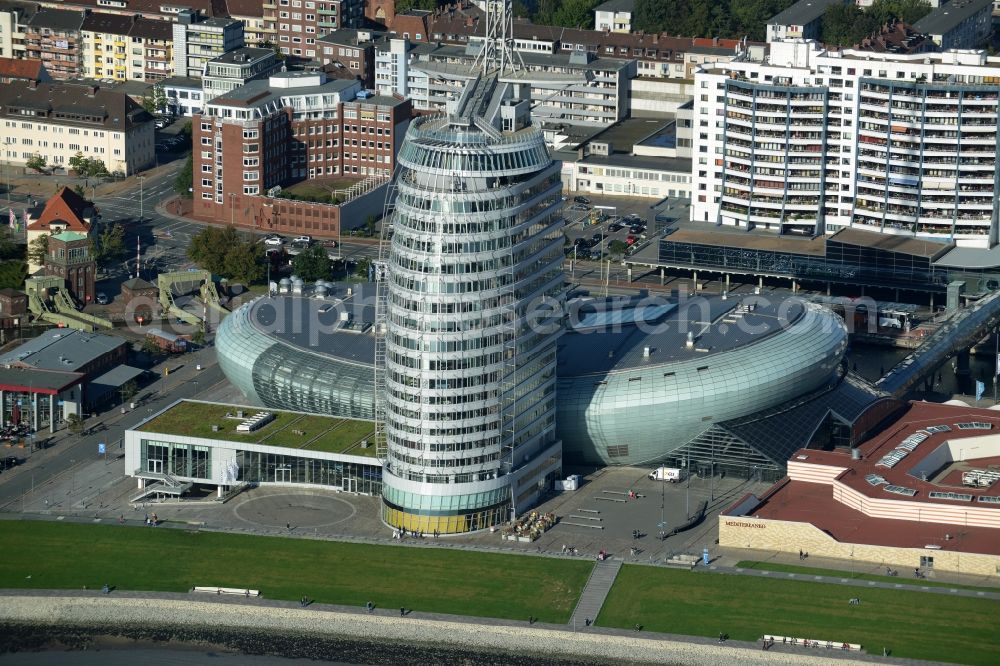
(635, 391)
(615, 404)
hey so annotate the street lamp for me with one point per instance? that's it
(614, 214)
(232, 209)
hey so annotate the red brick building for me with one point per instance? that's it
(69, 257)
(354, 50)
(296, 24)
(291, 127)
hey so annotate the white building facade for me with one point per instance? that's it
(814, 141)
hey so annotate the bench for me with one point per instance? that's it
(807, 642)
(238, 591)
(681, 562)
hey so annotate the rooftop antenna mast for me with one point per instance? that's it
(497, 54)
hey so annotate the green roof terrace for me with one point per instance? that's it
(288, 430)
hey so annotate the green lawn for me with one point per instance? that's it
(195, 419)
(287, 430)
(69, 556)
(902, 579)
(320, 188)
(346, 438)
(912, 624)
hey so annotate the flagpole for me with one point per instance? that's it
(996, 360)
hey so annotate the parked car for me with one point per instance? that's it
(9, 461)
(274, 241)
(631, 239)
(160, 123)
(303, 240)
(615, 227)
(596, 255)
(598, 237)
(581, 200)
(102, 298)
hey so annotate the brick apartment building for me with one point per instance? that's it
(54, 36)
(354, 50)
(291, 127)
(297, 24)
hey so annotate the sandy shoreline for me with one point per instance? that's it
(269, 627)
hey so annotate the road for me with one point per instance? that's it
(69, 454)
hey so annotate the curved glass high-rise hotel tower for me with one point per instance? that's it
(471, 298)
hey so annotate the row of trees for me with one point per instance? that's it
(562, 13)
(85, 167)
(848, 24)
(844, 24)
(731, 19)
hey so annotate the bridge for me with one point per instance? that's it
(183, 282)
(49, 301)
(962, 330)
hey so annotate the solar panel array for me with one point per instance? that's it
(986, 499)
(901, 490)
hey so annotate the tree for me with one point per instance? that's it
(406, 5)
(74, 423)
(155, 100)
(575, 13)
(87, 167)
(245, 262)
(370, 225)
(224, 252)
(79, 190)
(617, 247)
(362, 266)
(38, 249)
(186, 134)
(128, 389)
(845, 25)
(199, 336)
(37, 163)
(150, 347)
(184, 181)
(110, 244)
(313, 263)
(208, 248)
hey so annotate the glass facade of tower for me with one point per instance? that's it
(473, 298)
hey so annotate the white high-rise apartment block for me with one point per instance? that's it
(812, 141)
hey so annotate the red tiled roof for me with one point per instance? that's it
(65, 208)
(18, 68)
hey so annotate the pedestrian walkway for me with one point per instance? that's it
(595, 592)
(856, 582)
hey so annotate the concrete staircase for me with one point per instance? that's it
(595, 592)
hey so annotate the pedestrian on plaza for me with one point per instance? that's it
(402, 611)
(156, 521)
